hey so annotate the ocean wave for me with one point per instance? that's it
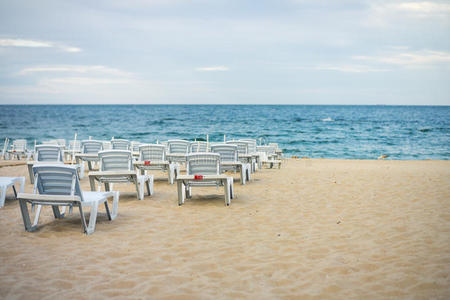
(327, 120)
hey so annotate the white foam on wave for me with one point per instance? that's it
(327, 119)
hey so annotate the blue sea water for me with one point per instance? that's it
(330, 131)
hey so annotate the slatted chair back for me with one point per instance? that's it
(251, 145)
(152, 152)
(228, 152)
(178, 146)
(48, 153)
(19, 145)
(118, 144)
(267, 150)
(75, 146)
(57, 180)
(91, 146)
(198, 147)
(242, 147)
(115, 160)
(135, 146)
(203, 164)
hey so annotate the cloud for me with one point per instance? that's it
(411, 59)
(37, 44)
(212, 69)
(349, 68)
(75, 69)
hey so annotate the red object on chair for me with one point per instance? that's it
(147, 162)
(198, 177)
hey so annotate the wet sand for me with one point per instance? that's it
(313, 229)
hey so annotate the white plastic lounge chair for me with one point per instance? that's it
(116, 166)
(244, 154)
(6, 182)
(278, 151)
(135, 148)
(229, 160)
(18, 149)
(89, 152)
(59, 186)
(268, 155)
(45, 154)
(74, 148)
(177, 150)
(203, 169)
(118, 144)
(153, 157)
(198, 147)
(252, 151)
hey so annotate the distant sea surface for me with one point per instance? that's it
(350, 132)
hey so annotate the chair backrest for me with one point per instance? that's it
(268, 150)
(152, 152)
(251, 145)
(75, 145)
(242, 147)
(198, 147)
(178, 146)
(203, 164)
(135, 146)
(228, 152)
(19, 145)
(274, 145)
(91, 146)
(120, 144)
(115, 160)
(49, 153)
(57, 180)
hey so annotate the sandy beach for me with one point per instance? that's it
(315, 228)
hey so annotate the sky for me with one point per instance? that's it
(225, 52)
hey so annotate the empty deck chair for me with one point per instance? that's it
(252, 151)
(45, 154)
(116, 166)
(74, 148)
(267, 154)
(278, 151)
(6, 182)
(60, 186)
(135, 148)
(244, 154)
(19, 149)
(118, 144)
(89, 152)
(177, 150)
(198, 147)
(229, 160)
(203, 169)
(153, 157)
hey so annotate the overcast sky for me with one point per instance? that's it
(234, 51)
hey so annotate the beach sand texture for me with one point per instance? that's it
(313, 229)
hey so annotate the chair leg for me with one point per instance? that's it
(108, 213)
(139, 187)
(83, 219)
(181, 192)
(243, 174)
(37, 215)
(93, 218)
(226, 186)
(150, 185)
(107, 189)
(26, 216)
(115, 205)
(56, 212)
(3, 195)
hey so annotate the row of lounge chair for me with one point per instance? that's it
(58, 185)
